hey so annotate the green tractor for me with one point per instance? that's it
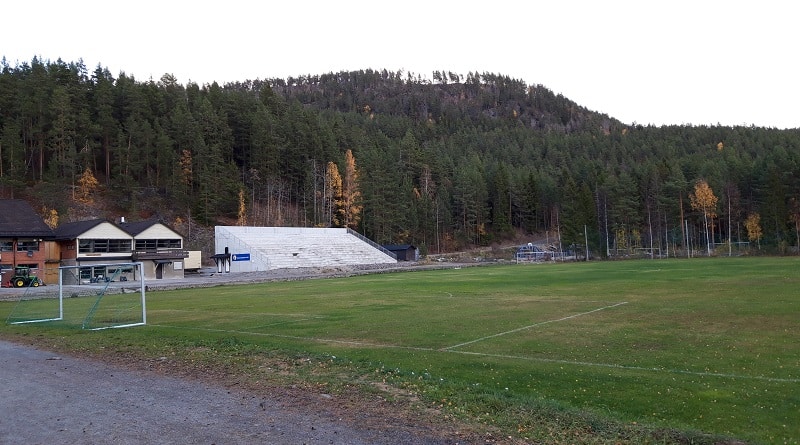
(23, 278)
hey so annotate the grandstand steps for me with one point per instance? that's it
(292, 247)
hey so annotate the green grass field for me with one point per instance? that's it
(600, 350)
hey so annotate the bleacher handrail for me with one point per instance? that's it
(372, 243)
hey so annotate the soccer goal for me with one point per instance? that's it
(100, 296)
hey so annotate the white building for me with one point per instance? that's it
(95, 243)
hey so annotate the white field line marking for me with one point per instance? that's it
(533, 326)
(508, 357)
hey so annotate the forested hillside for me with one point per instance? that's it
(448, 163)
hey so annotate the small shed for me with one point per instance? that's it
(404, 252)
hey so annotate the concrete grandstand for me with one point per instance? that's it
(252, 249)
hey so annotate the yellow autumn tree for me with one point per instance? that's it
(87, 185)
(242, 214)
(333, 193)
(351, 193)
(50, 217)
(753, 226)
(186, 167)
(704, 200)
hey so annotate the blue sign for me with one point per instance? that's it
(240, 257)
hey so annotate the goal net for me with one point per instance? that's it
(99, 296)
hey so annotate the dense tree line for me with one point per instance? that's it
(444, 164)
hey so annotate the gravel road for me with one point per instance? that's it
(52, 399)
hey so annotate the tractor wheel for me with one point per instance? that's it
(35, 283)
(19, 283)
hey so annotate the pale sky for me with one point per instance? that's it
(699, 62)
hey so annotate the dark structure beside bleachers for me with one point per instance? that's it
(404, 252)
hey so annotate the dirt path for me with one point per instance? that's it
(47, 398)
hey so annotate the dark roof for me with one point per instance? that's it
(72, 230)
(135, 228)
(19, 220)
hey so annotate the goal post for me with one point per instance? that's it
(96, 296)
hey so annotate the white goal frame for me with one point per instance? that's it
(95, 286)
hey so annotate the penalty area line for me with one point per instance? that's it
(450, 348)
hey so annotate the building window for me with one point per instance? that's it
(152, 245)
(100, 245)
(100, 274)
(93, 274)
(119, 245)
(145, 245)
(169, 244)
(6, 246)
(85, 246)
(27, 246)
(104, 246)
